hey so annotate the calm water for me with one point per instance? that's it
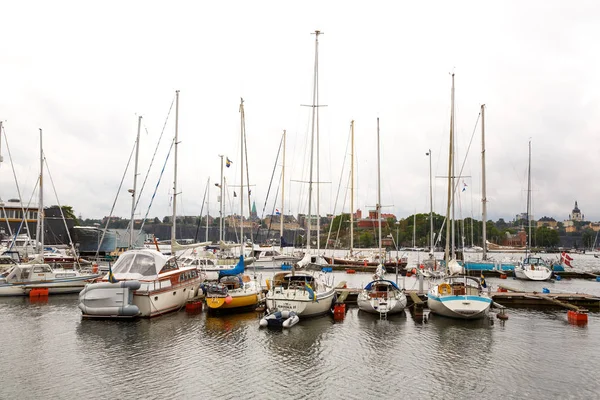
(48, 351)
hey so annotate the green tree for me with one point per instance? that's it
(69, 213)
(546, 237)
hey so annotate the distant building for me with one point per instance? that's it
(371, 221)
(517, 239)
(576, 214)
(548, 222)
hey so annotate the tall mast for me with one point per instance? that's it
(529, 201)
(352, 190)
(173, 225)
(379, 193)
(40, 226)
(221, 204)
(242, 132)
(207, 208)
(135, 174)
(450, 180)
(282, 213)
(312, 143)
(453, 176)
(430, 206)
(415, 230)
(483, 194)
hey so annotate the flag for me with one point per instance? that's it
(566, 259)
(464, 186)
(277, 212)
(483, 284)
(311, 292)
(228, 162)
(111, 277)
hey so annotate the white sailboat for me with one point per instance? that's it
(305, 293)
(20, 279)
(143, 282)
(381, 296)
(531, 268)
(458, 296)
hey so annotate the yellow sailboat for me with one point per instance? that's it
(234, 290)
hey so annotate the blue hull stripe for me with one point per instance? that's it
(451, 298)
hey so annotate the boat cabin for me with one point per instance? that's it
(461, 286)
(381, 289)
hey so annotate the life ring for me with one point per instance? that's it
(444, 288)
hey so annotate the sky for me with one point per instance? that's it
(83, 72)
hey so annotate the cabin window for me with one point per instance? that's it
(143, 264)
(123, 262)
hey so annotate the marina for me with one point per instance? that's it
(313, 350)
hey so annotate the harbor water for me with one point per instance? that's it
(49, 351)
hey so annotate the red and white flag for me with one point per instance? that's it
(566, 259)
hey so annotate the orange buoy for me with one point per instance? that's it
(38, 292)
(339, 312)
(94, 268)
(577, 317)
(408, 274)
(502, 276)
(422, 266)
(350, 271)
(414, 271)
(501, 289)
(365, 263)
(193, 306)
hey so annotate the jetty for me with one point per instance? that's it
(510, 298)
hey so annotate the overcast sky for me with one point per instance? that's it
(84, 71)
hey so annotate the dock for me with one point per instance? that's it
(510, 299)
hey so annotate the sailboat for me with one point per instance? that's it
(531, 268)
(306, 293)
(143, 282)
(458, 296)
(234, 290)
(21, 278)
(381, 296)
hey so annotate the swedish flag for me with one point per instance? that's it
(228, 162)
(311, 292)
(483, 284)
(111, 277)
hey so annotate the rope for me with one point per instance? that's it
(156, 189)
(114, 203)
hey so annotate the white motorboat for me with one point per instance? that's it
(307, 294)
(268, 257)
(157, 285)
(533, 269)
(20, 279)
(459, 297)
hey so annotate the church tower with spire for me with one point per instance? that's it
(253, 213)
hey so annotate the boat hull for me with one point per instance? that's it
(299, 302)
(537, 274)
(238, 301)
(462, 307)
(381, 305)
(56, 286)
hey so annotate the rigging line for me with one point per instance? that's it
(24, 220)
(339, 186)
(466, 154)
(156, 188)
(62, 214)
(114, 202)
(270, 183)
(16, 183)
(274, 205)
(152, 160)
(201, 211)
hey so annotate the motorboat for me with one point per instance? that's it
(459, 297)
(306, 293)
(268, 257)
(158, 285)
(20, 279)
(533, 269)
